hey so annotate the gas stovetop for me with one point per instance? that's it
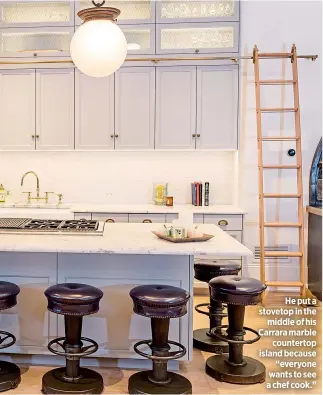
(55, 226)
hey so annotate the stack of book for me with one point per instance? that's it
(198, 197)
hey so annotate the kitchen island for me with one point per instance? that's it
(125, 256)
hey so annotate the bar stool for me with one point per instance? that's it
(9, 372)
(73, 301)
(205, 271)
(237, 292)
(159, 303)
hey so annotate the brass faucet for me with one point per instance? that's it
(37, 197)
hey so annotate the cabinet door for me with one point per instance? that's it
(17, 109)
(36, 13)
(33, 42)
(175, 107)
(135, 108)
(94, 112)
(140, 39)
(217, 105)
(55, 109)
(138, 12)
(197, 37)
(174, 11)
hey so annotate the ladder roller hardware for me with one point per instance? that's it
(296, 153)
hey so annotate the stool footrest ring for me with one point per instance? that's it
(225, 338)
(85, 350)
(172, 355)
(208, 313)
(7, 336)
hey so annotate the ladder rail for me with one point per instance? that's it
(260, 170)
(299, 163)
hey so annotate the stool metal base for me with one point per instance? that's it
(9, 376)
(252, 373)
(139, 384)
(207, 343)
(90, 382)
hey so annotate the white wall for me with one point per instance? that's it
(274, 26)
(119, 177)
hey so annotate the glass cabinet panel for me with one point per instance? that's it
(174, 11)
(24, 42)
(36, 13)
(141, 11)
(140, 40)
(197, 38)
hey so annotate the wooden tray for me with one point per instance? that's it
(205, 237)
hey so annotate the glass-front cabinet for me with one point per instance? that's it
(140, 39)
(132, 12)
(32, 13)
(29, 42)
(175, 11)
(197, 38)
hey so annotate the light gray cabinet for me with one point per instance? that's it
(94, 112)
(135, 108)
(175, 107)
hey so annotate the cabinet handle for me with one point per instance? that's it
(223, 222)
(33, 137)
(110, 220)
(193, 135)
(147, 221)
(112, 136)
(37, 136)
(198, 135)
(197, 51)
(116, 136)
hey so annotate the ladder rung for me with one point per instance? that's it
(282, 225)
(281, 195)
(281, 166)
(284, 283)
(276, 82)
(275, 254)
(280, 138)
(279, 109)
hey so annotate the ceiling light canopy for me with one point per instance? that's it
(98, 47)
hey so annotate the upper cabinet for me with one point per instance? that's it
(55, 109)
(197, 38)
(17, 110)
(174, 11)
(33, 42)
(135, 108)
(94, 112)
(217, 107)
(35, 13)
(175, 107)
(132, 12)
(140, 39)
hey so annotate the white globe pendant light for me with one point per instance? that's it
(98, 47)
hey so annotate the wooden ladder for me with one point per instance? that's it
(262, 196)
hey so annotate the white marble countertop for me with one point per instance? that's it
(152, 208)
(124, 238)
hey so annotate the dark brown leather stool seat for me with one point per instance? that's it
(237, 292)
(160, 303)
(73, 301)
(205, 271)
(9, 372)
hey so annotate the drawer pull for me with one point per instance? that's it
(223, 222)
(110, 220)
(147, 221)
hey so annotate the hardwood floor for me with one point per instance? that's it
(116, 380)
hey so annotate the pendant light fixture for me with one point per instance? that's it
(98, 47)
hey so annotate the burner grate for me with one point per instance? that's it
(12, 223)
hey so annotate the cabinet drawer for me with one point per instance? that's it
(225, 222)
(171, 217)
(150, 218)
(198, 218)
(110, 217)
(33, 42)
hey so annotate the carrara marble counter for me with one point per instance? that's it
(125, 256)
(125, 238)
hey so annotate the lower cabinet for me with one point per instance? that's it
(29, 320)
